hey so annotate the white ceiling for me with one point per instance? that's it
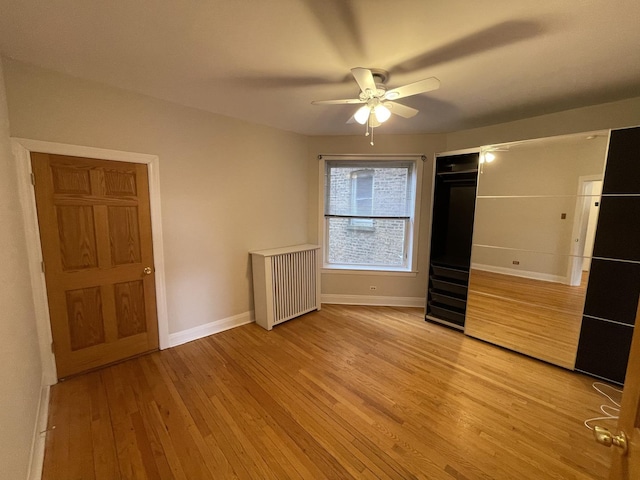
(266, 60)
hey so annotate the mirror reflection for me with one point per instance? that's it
(546, 166)
(534, 228)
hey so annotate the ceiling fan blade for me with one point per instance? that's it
(346, 101)
(364, 78)
(415, 88)
(401, 110)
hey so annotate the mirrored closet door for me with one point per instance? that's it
(535, 222)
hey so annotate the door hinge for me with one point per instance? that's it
(33, 179)
(42, 265)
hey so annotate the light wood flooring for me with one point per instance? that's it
(347, 392)
(534, 317)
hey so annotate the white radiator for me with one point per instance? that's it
(286, 283)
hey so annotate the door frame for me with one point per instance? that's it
(579, 230)
(22, 149)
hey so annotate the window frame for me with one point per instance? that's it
(412, 229)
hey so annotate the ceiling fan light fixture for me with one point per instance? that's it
(362, 115)
(373, 93)
(382, 113)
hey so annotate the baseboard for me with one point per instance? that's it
(210, 328)
(39, 436)
(373, 300)
(546, 277)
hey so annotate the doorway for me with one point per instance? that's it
(584, 227)
(22, 149)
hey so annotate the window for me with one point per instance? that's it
(369, 208)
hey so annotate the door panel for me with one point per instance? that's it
(603, 349)
(95, 230)
(627, 466)
(84, 315)
(77, 237)
(125, 237)
(120, 183)
(71, 180)
(130, 308)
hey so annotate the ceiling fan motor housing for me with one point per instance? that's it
(380, 76)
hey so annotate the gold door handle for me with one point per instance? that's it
(606, 438)
(147, 271)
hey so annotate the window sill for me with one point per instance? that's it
(367, 271)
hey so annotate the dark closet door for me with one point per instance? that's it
(614, 281)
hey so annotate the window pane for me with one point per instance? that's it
(362, 192)
(380, 244)
(375, 190)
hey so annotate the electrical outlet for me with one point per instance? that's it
(516, 262)
(373, 287)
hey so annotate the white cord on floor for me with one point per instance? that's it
(610, 412)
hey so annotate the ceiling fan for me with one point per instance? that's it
(379, 102)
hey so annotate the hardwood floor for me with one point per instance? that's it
(347, 392)
(534, 317)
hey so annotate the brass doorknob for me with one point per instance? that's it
(147, 270)
(606, 438)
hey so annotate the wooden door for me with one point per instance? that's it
(627, 467)
(95, 230)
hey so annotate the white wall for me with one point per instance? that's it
(20, 369)
(227, 186)
(403, 286)
(624, 113)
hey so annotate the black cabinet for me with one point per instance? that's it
(451, 236)
(614, 280)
